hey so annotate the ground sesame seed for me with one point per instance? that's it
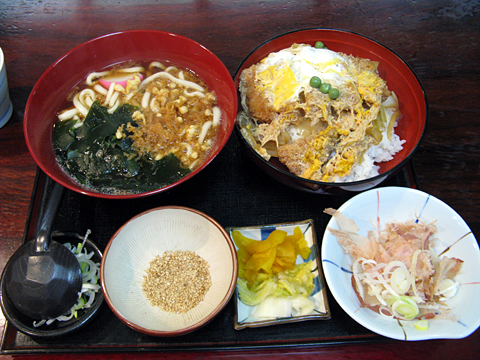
(177, 281)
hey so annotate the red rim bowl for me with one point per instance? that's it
(400, 78)
(49, 93)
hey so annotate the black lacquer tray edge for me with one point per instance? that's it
(9, 346)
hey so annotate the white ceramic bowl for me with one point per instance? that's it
(151, 233)
(397, 203)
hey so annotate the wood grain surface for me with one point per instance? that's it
(439, 39)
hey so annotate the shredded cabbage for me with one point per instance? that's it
(295, 282)
(298, 281)
(256, 294)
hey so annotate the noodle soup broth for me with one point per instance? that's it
(136, 127)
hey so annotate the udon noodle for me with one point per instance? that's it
(174, 112)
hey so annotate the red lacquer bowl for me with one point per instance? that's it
(49, 93)
(400, 78)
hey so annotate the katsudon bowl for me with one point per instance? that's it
(400, 79)
(49, 95)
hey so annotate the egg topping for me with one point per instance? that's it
(317, 137)
(282, 76)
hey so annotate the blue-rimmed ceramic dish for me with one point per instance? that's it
(243, 315)
(454, 239)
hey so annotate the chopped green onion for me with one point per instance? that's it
(90, 274)
(400, 280)
(405, 307)
(80, 303)
(421, 325)
(83, 266)
(447, 288)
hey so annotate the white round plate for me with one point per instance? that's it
(402, 204)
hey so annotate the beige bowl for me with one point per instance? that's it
(151, 233)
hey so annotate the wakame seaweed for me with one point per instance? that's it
(92, 153)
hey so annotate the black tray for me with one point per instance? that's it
(235, 193)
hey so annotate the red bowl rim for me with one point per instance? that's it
(78, 188)
(295, 178)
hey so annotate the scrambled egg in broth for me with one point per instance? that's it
(316, 135)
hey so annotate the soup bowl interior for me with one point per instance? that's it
(396, 72)
(56, 83)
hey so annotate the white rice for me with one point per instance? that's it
(366, 167)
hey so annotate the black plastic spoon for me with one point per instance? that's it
(43, 278)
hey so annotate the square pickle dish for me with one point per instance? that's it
(243, 314)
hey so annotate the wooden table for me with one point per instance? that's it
(438, 38)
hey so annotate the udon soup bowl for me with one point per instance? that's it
(49, 93)
(396, 72)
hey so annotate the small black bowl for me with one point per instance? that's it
(24, 323)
